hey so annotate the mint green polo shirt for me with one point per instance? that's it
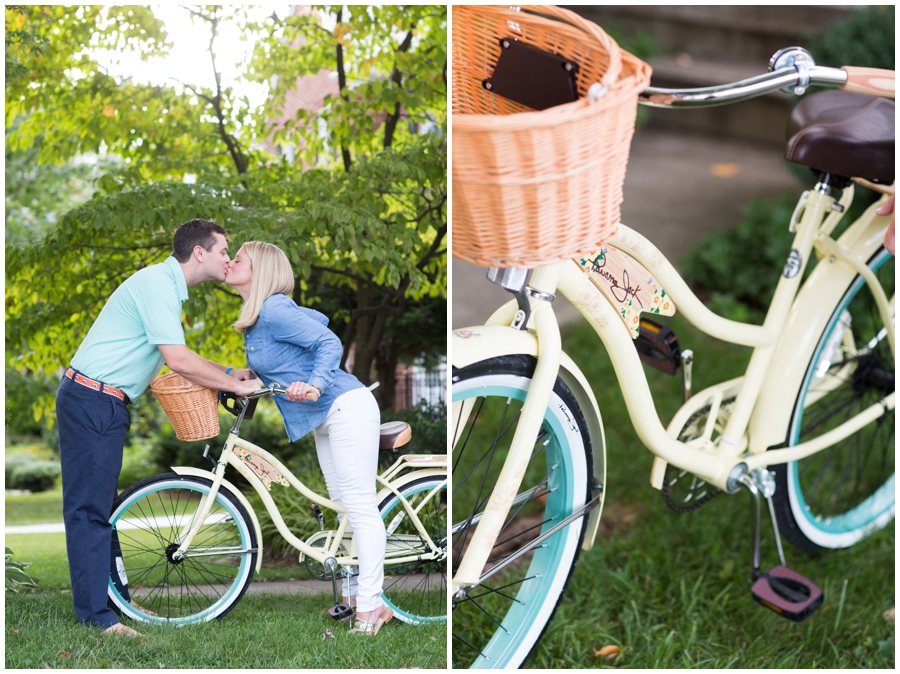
(121, 347)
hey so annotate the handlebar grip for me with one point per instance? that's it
(872, 81)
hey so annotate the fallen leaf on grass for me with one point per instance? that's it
(16, 632)
(609, 652)
(887, 615)
(65, 654)
(328, 633)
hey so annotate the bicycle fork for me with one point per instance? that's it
(190, 530)
(543, 320)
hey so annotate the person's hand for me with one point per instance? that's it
(245, 388)
(244, 375)
(887, 208)
(301, 392)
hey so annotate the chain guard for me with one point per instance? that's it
(693, 492)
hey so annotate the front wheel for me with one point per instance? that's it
(416, 590)
(148, 583)
(836, 497)
(499, 622)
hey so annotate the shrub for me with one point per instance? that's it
(14, 461)
(24, 390)
(864, 38)
(739, 267)
(292, 505)
(35, 476)
(429, 427)
(429, 424)
(138, 462)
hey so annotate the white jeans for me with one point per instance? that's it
(347, 447)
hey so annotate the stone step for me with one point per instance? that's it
(705, 45)
(733, 32)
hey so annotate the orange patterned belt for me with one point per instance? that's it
(79, 378)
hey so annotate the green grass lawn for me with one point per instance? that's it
(263, 631)
(40, 508)
(673, 589)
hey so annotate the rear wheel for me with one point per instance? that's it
(836, 497)
(499, 623)
(148, 582)
(417, 591)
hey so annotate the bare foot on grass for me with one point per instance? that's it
(119, 628)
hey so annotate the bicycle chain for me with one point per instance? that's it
(671, 476)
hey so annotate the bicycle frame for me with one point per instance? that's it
(261, 469)
(721, 463)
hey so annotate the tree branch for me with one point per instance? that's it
(237, 156)
(342, 85)
(390, 124)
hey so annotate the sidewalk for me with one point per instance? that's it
(305, 586)
(679, 187)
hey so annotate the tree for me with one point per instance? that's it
(385, 91)
(366, 238)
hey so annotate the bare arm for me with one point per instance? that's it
(192, 367)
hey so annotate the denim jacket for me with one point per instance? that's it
(290, 343)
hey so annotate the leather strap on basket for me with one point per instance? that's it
(615, 58)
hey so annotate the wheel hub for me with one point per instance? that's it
(170, 554)
(871, 375)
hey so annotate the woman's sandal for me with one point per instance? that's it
(370, 629)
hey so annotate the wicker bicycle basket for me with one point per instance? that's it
(192, 409)
(532, 187)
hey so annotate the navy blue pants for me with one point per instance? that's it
(92, 427)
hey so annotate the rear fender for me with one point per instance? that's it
(471, 345)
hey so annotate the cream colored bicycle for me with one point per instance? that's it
(809, 426)
(187, 544)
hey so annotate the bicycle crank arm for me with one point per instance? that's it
(581, 512)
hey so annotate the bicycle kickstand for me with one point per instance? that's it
(339, 611)
(780, 589)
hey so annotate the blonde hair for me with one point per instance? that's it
(272, 275)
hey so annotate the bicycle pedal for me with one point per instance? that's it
(787, 593)
(340, 611)
(658, 346)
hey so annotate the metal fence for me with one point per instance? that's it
(415, 383)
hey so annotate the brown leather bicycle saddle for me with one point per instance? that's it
(845, 134)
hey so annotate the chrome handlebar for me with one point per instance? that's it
(271, 389)
(739, 91)
(792, 70)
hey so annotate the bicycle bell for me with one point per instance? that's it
(793, 57)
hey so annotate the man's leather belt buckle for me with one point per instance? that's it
(79, 378)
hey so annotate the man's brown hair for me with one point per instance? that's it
(193, 233)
